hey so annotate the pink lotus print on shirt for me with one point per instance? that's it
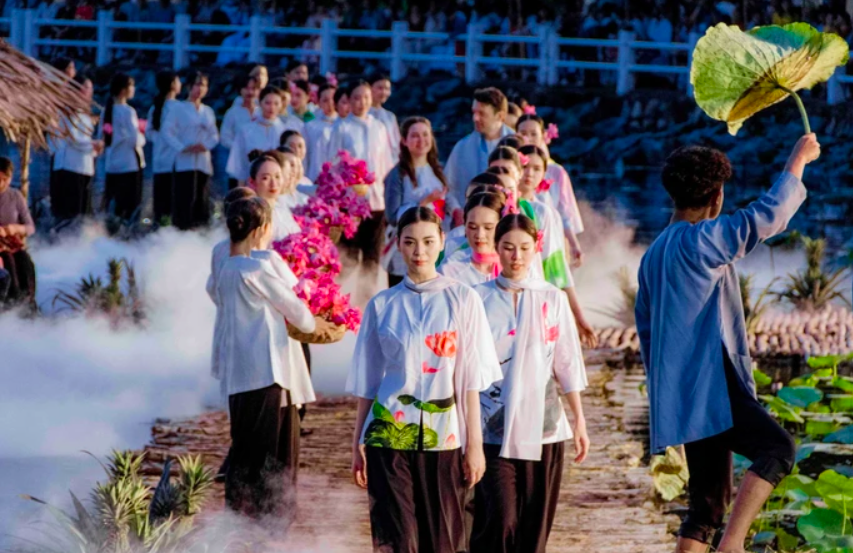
(442, 344)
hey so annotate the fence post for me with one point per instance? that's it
(544, 55)
(625, 79)
(399, 30)
(692, 39)
(16, 29)
(257, 39)
(181, 41)
(328, 45)
(553, 58)
(105, 36)
(472, 52)
(30, 32)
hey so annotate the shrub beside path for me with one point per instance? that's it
(605, 502)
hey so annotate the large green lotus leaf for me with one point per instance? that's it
(823, 523)
(736, 74)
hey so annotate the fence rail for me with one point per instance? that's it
(547, 53)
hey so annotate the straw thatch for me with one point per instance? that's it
(33, 99)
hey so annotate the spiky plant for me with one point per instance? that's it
(814, 288)
(752, 312)
(92, 297)
(623, 311)
(129, 517)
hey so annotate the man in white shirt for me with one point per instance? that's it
(380, 89)
(470, 156)
(365, 137)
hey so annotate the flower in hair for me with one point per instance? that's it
(312, 95)
(524, 159)
(551, 133)
(540, 236)
(332, 79)
(529, 109)
(544, 186)
(108, 129)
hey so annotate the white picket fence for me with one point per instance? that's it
(615, 58)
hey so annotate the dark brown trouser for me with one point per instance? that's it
(516, 501)
(163, 183)
(191, 200)
(70, 194)
(22, 278)
(124, 191)
(416, 501)
(264, 456)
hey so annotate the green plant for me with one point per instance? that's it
(127, 516)
(623, 311)
(752, 312)
(736, 74)
(92, 296)
(813, 288)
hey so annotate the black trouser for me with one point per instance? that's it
(233, 183)
(264, 455)
(307, 353)
(416, 501)
(5, 283)
(516, 501)
(191, 200)
(22, 277)
(756, 436)
(70, 194)
(124, 190)
(163, 183)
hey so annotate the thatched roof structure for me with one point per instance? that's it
(33, 99)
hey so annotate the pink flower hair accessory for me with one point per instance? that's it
(332, 79)
(312, 94)
(551, 133)
(544, 186)
(524, 159)
(529, 109)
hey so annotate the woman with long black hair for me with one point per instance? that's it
(163, 155)
(123, 145)
(190, 129)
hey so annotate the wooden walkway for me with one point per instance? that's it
(605, 502)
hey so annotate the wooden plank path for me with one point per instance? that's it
(605, 502)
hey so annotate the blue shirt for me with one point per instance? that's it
(689, 312)
(469, 158)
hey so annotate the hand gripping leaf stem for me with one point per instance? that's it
(736, 74)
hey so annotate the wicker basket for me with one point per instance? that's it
(335, 233)
(326, 333)
(361, 189)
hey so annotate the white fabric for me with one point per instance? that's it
(255, 297)
(75, 152)
(283, 223)
(454, 240)
(162, 154)
(390, 121)
(260, 134)
(318, 133)
(393, 357)
(234, 119)
(537, 341)
(124, 154)
(293, 200)
(292, 123)
(365, 139)
(561, 196)
(459, 266)
(186, 125)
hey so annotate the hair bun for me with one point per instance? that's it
(255, 154)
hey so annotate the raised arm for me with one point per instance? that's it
(282, 297)
(393, 195)
(723, 240)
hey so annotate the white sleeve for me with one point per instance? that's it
(236, 166)
(211, 135)
(569, 366)
(228, 131)
(477, 364)
(269, 285)
(367, 369)
(170, 132)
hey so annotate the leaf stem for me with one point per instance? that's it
(802, 108)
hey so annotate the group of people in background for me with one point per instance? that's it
(460, 364)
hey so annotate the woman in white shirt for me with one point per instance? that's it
(255, 296)
(477, 261)
(417, 180)
(319, 131)
(74, 162)
(294, 142)
(123, 142)
(524, 423)
(422, 356)
(242, 112)
(191, 131)
(291, 196)
(560, 195)
(162, 154)
(267, 175)
(262, 134)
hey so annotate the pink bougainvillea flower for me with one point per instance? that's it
(399, 416)
(443, 344)
(524, 159)
(544, 186)
(426, 369)
(529, 109)
(551, 133)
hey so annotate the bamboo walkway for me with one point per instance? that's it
(605, 502)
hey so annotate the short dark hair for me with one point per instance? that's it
(356, 84)
(505, 152)
(305, 86)
(511, 140)
(418, 214)
(340, 92)
(490, 200)
(516, 221)
(271, 89)
(513, 109)
(6, 166)
(493, 97)
(285, 136)
(326, 86)
(293, 64)
(379, 77)
(693, 175)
